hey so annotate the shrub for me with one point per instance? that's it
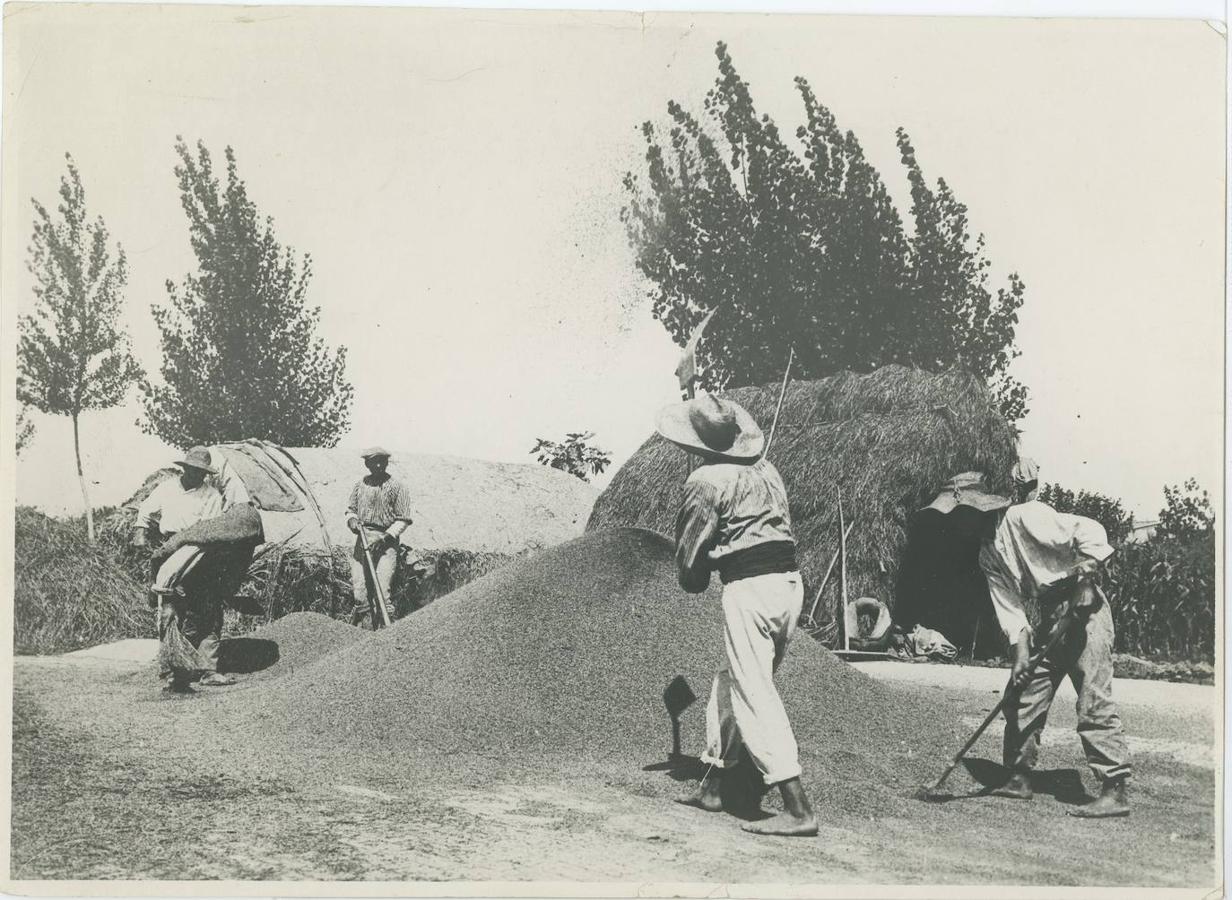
(1163, 597)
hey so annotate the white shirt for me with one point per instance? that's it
(177, 508)
(1033, 547)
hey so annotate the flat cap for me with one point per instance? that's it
(375, 451)
(1026, 470)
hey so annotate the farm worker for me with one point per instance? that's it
(1032, 547)
(381, 505)
(735, 519)
(179, 502)
(196, 612)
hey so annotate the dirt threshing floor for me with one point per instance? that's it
(517, 730)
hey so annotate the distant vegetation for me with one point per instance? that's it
(574, 455)
(1162, 589)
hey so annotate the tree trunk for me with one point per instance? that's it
(81, 479)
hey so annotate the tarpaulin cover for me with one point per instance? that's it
(267, 486)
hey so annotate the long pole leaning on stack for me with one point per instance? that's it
(826, 578)
(842, 552)
(791, 355)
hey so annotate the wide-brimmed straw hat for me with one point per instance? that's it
(967, 489)
(198, 458)
(709, 426)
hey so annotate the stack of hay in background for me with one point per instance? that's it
(471, 516)
(890, 439)
(69, 593)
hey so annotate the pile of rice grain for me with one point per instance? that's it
(564, 658)
(303, 638)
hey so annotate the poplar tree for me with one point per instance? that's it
(241, 353)
(798, 243)
(72, 355)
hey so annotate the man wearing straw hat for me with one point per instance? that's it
(735, 520)
(1053, 557)
(196, 615)
(381, 505)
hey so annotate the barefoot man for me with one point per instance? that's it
(735, 520)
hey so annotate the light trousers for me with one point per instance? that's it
(386, 561)
(759, 618)
(1085, 656)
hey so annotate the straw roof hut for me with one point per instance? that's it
(888, 440)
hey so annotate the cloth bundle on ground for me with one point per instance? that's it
(925, 643)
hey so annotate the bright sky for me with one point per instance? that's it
(456, 178)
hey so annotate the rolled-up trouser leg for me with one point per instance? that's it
(759, 616)
(722, 735)
(1099, 724)
(1026, 714)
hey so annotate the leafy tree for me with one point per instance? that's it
(241, 358)
(1187, 513)
(24, 428)
(800, 244)
(1105, 510)
(574, 455)
(72, 355)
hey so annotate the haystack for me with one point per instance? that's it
(887, 441)
(69, 593)
(470, 517)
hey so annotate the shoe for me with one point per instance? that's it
(1017, 788)
(1110, 802)
(214, 679)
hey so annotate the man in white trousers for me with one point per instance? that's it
(735, 520)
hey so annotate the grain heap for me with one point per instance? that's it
(563, 660)
(303, 638)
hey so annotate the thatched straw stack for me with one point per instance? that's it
(889, 439)
(471, 517)
(69, 593)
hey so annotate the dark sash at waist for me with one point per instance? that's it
(766, 558)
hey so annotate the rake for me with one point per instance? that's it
(932, 792)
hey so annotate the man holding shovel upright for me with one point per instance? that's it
(735, 520)
(380, 505)
(1053, 557)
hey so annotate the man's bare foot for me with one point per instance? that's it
(784, 825)
(707, 796)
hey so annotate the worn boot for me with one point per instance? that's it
(1017, 788)
(1110, 802)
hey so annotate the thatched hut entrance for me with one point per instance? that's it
(940, 585)
(887, 440)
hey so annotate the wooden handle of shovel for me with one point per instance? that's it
(376, 582)
(1059, 632)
